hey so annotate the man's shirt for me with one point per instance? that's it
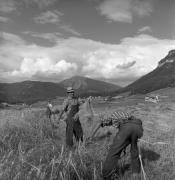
(115, 118)
(68, 102)
(50, 105)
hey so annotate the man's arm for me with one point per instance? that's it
(95, 130)
(104, 122)
(82, 101)
(110, 120)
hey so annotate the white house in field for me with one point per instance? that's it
(4, 104)
(152, 98)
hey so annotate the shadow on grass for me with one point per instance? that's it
(125, 168)
(98, 139)
(103, 136)
(149, 155)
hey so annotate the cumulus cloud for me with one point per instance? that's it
(125, 10)
(126, 65)
(145, 29)
(52, 17)
(31, 66)
(124, 62)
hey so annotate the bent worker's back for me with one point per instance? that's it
(130, 129)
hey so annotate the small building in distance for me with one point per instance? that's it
(117, 97)
(152, 98)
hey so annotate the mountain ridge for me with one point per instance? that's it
(32, 91)
(161, 77)
(82, 83)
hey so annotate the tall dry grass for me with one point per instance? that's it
(30, 149)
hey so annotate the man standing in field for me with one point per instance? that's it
(130, 129)
(49, 108)
(71, 107)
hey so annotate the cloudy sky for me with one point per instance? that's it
(50, 40)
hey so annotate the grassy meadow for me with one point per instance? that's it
(30, 149)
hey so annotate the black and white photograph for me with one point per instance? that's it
(87, 89)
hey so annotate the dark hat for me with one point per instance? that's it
(70, 90)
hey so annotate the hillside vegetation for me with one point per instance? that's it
(85, 85)
(32, 91)
(29, 91)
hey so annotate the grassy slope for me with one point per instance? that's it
(160, 77)
(30, 150)
(29, 91)
(85, 85)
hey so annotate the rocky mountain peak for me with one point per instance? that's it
(171, 53)
(170, 58)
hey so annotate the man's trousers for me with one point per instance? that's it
(73, 128)
(128, 134)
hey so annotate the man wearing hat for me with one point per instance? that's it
(71, 107)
